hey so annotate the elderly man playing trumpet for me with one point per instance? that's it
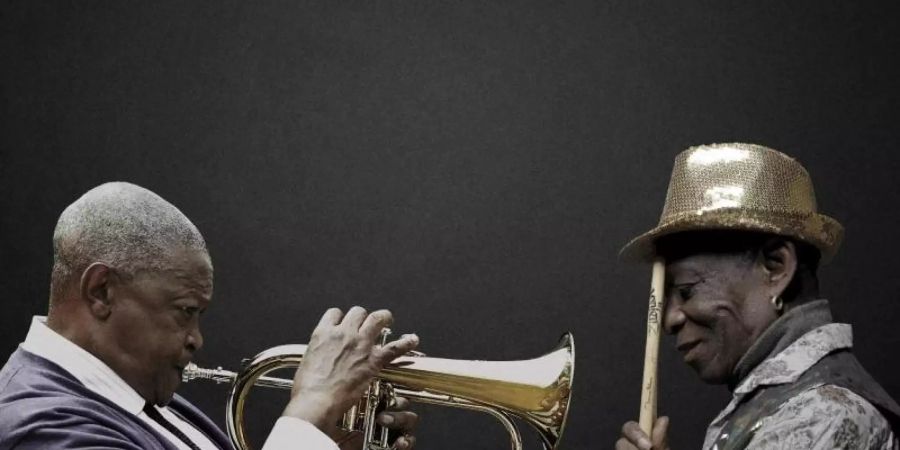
(131, 277)
(741, 241)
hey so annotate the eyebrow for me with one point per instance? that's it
(191, 288)
(191, 294)
(189, 277)
(687, 272)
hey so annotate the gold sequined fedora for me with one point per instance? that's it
(740, 187)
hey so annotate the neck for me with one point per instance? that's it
(68, 322)
(59, 320)
(793, 324)
(804, 288)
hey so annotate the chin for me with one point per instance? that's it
(714, 379)
(711, 375)
(164, 395)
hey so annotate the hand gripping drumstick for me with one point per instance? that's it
(651, 352)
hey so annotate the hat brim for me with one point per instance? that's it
(819, 230)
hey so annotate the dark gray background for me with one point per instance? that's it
(473, 166)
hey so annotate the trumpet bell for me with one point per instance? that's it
(537, 391)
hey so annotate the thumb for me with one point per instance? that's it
(660, 433)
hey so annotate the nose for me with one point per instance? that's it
(673, 317)
(194, 339)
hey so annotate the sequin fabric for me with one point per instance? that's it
(740, 187)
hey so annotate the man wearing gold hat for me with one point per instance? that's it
(742, 240)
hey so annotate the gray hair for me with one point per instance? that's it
(120, 224)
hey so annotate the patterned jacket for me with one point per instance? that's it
(801, 388)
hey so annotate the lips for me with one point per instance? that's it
(180, 369)
(181, 364)
(686, 347)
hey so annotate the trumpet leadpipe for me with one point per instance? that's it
(220, 375)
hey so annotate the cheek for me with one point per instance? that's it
(708, 313)
(130, 329)
(151, 340)
(758, 315)
(720, 323)
(733, 341)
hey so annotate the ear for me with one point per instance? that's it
(779, 260)
(95, 289)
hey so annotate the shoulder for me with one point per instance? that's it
(38, 388)
(54, 420)
(44, 409)
(825, 416)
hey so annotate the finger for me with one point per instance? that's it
(405, 442)
(409, 441)
(330, 318)
(623, 444)
(376, 322)
(349, 439)
(397, 348)
(632, 431)
(354, 318)
(399, 404)
(398, 420)
(660, 433)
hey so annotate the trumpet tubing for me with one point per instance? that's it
(537, 391)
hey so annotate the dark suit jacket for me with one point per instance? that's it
(44, 407)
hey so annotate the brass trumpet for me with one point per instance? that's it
(537, 391)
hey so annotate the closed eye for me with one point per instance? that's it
(685, 290)
(190, 311)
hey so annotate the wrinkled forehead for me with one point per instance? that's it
(703, 263)
(199, 276)
(185, 267)
(194, 264)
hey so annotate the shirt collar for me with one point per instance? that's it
(93, 373)
(793, 361)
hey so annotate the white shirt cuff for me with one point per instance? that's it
(294, 433)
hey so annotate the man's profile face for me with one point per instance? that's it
(717, 305)
(155, 322)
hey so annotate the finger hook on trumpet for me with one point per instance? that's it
(378, 396)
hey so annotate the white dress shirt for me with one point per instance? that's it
(288, 432)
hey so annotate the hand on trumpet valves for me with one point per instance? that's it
(397, 419)
(634, 438)
(342, 357)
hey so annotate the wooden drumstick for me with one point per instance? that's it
(651, 352)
